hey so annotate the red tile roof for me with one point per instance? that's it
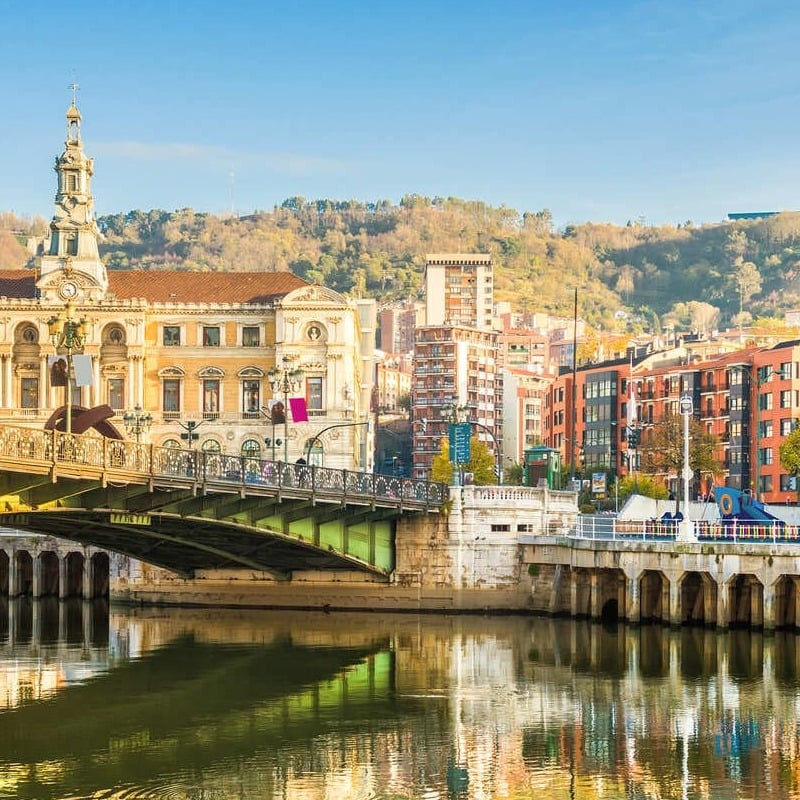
(166, 286)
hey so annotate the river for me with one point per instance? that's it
(211, 704)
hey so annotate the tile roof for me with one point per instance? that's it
(164, 286)
(202, 287)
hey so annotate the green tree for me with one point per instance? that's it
(481, 463)
(662, 450)
(789, 453)
(644, 485)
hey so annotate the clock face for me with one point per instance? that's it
(68, 290)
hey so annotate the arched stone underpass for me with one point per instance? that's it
(611, 595)
(698, 599)
(47, 569)
(786, 600)
(745, 602)
(654, 597)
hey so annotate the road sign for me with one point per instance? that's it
(459, 434)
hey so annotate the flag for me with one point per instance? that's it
(632, 415)
(82, 365)
(297, 405)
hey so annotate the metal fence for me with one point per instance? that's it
(30, 445)
(609, 528)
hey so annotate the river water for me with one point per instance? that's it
(217, 704)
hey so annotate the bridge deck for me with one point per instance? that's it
(189, 510)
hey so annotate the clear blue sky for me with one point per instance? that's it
(599, 110)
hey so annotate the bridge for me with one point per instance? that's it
(188, 510)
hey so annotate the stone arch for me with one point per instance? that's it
(99, 576)
(4, 573)
(653, 597)
(786, 600)
(745, 602)
(73, 573)
(47, 567)
(611, 595)
(698, 599)
(23, 562)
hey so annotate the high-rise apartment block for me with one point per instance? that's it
(459, 290)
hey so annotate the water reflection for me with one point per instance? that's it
(237, 704)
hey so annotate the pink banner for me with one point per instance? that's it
(297, 405)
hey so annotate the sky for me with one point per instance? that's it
(660, 111)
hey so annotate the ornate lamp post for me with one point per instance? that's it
(137, 422)
(67, 335)
(687, 409)
(283, 380)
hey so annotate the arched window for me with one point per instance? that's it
(172, 443)
(251, 448)
(314, 452)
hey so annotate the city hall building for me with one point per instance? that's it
(199, 359)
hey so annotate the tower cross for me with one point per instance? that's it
(74, 86)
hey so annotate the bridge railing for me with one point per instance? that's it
(54, 448)
(608, 528)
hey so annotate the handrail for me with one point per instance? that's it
(59, 449)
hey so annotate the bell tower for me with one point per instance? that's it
(72, 269)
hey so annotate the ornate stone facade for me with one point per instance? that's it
(206, 348)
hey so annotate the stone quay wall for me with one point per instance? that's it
(467, 558)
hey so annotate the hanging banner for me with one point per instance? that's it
(82, 366)
(297, 405)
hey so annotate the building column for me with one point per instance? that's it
(674, 602)
(723, 620)
(13, 575)
(86, 579)
(62, 577)
(573, 592)
(633, 606)
(129, 388)
(94, 389)
(594, 593)
(758, 600)
(36, 582)
(768, 607)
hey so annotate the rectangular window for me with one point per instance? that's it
(788, 483)
(765, 401)
(314, 394)
(30, 393)
(765, 429)
(171, 336)
(765, 455)
(171, 396)
(116, 393)
(786, 399)
(251, 336)
(786, 427)
(251, 398)
(210, 398)
(498, 528)
(211, 336)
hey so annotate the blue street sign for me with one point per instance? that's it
(458, 434)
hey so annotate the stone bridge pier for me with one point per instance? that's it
(721, 585)
(42, 566)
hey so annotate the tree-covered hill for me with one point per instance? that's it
(631, 277)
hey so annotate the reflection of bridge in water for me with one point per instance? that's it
(213, 705)
(188, 510)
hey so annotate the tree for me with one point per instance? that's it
(789, 453)
(481, 463)
(644, 485)
(662, 450)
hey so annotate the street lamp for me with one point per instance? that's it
(314, 439)
(137, 422)
(68, 335)
(284, 380)
(687, 409)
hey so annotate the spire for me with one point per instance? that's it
(73, 230)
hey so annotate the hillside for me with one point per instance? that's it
(630, 277)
